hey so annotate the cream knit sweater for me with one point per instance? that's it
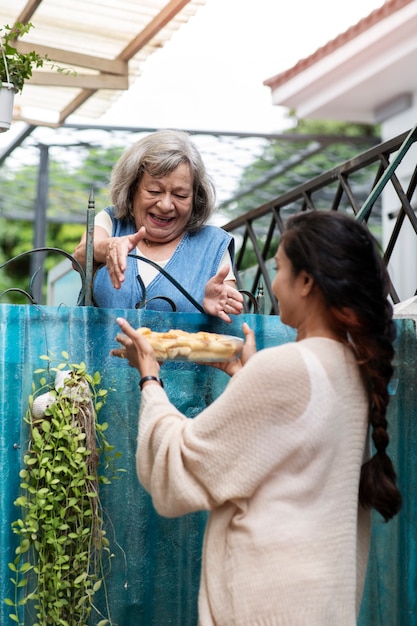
(276, 459)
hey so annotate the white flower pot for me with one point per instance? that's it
(7, 92)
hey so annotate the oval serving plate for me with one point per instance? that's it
(199, 347)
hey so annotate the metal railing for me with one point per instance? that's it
(258, 231)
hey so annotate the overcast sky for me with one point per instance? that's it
(210, 75)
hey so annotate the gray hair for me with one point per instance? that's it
(159, 154)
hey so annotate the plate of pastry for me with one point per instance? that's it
(198, 347)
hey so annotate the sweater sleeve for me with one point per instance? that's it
(229, 448)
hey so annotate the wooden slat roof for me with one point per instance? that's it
(105, 42)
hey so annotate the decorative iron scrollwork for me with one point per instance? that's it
(29, 294)
(87, 281)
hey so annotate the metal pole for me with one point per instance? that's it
(37, 260)
(363, 214)
(89, 251)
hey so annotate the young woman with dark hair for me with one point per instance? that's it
(282, 458)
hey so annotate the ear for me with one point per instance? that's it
(307, 283)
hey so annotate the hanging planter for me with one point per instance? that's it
(16, 67)
(63, 554)
(7, 92)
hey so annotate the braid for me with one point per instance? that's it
(377, 487)
(374, 353)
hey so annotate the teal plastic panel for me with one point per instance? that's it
(156, 568)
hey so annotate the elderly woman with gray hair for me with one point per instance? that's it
(162, 199)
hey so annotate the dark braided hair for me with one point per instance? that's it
(345, 262)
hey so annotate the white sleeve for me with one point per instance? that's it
(227, 260)
(103, 220)
(183, 462)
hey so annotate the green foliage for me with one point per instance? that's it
(17, 238)
(19, 66)
(333, 127)
(61, 558)
(16, 67)
(69, 189)
(70, 184)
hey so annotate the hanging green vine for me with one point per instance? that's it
(63, 554)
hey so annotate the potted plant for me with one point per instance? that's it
(15, 68)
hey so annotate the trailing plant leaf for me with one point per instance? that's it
(16, 67)
(60, 559)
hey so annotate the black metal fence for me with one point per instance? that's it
(354, 186)
(338, 189)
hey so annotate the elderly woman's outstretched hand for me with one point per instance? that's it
(116, 255)
(221, 298)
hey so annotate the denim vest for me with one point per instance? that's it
(195, 260)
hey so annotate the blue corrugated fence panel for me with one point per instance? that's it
(155, 572)
(156, 566)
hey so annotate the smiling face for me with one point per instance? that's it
(164, 205)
